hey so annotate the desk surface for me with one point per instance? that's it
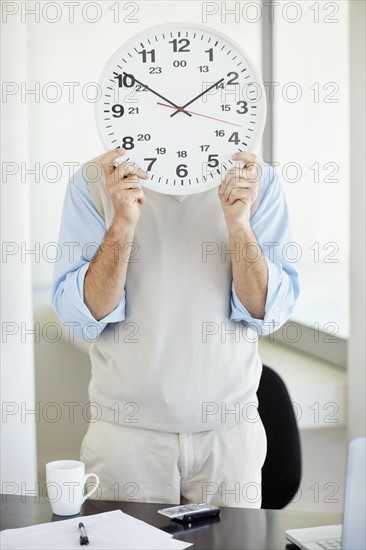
(237, 528)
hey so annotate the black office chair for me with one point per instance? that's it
(281, 472)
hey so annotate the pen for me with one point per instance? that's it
(83, 536)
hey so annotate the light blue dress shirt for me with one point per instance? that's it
(83, 229)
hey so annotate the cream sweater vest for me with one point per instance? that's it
(177, 362)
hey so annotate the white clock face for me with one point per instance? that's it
(181, 99)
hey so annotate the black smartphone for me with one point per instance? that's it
(190, 512)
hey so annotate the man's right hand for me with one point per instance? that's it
(124, 188)
(106, 276)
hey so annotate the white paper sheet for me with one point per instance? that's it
(107, 530)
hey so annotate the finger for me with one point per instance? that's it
(242, 177)
(245, 195)
(135, 195)
(250, 174)
(129, 196)
(244, 185)
(236, 171)
(236, 180)
(141, 199)
(246, 157)
(251, 162)
(129, 168)
(246, 173)
(229, 174)
(130, 182)
(229, 191)
(223, 189)
(108, 158)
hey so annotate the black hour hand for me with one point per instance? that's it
(133, 80)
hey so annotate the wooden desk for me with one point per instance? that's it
(237, 528)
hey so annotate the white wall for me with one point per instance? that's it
(62, 379)
(18, 429)
(323, 471)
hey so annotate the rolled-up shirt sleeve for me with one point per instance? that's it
(81, 232)
(271, 227)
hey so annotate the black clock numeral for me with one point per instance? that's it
(117, 111)
(155, 70)
(120, 80)
(243, 109)
(233, 79)
(234, 138)
(225, 107)
(184, 45)
(143, 137)
(140, 88)
(212, 161)
(203, 68)
(160, 150)
(144, 54)
(149, 166)
(181, 171)
(127, 142)
(182, 154)
(219, 133)
(133, 110)
(177, 63)
(221, 85)
(204, 147)
(126, 80)
(210, 54)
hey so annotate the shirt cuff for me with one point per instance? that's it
(87, 327)
(274, 307)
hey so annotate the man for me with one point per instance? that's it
(175, 299)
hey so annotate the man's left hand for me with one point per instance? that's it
(240, 188)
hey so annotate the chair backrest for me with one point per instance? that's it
(281, 472)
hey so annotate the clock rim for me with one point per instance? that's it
(186, 191)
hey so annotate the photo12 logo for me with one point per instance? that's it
(257, 10)
(70, 12)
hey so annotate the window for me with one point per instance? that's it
(309, 110)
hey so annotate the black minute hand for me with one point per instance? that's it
(180, 109)
(153, 91)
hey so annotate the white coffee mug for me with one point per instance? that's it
(65, 480)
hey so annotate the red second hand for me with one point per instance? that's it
(198, 114)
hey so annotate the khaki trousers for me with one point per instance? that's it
(221, 467)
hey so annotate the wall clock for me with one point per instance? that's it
(181, 99)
